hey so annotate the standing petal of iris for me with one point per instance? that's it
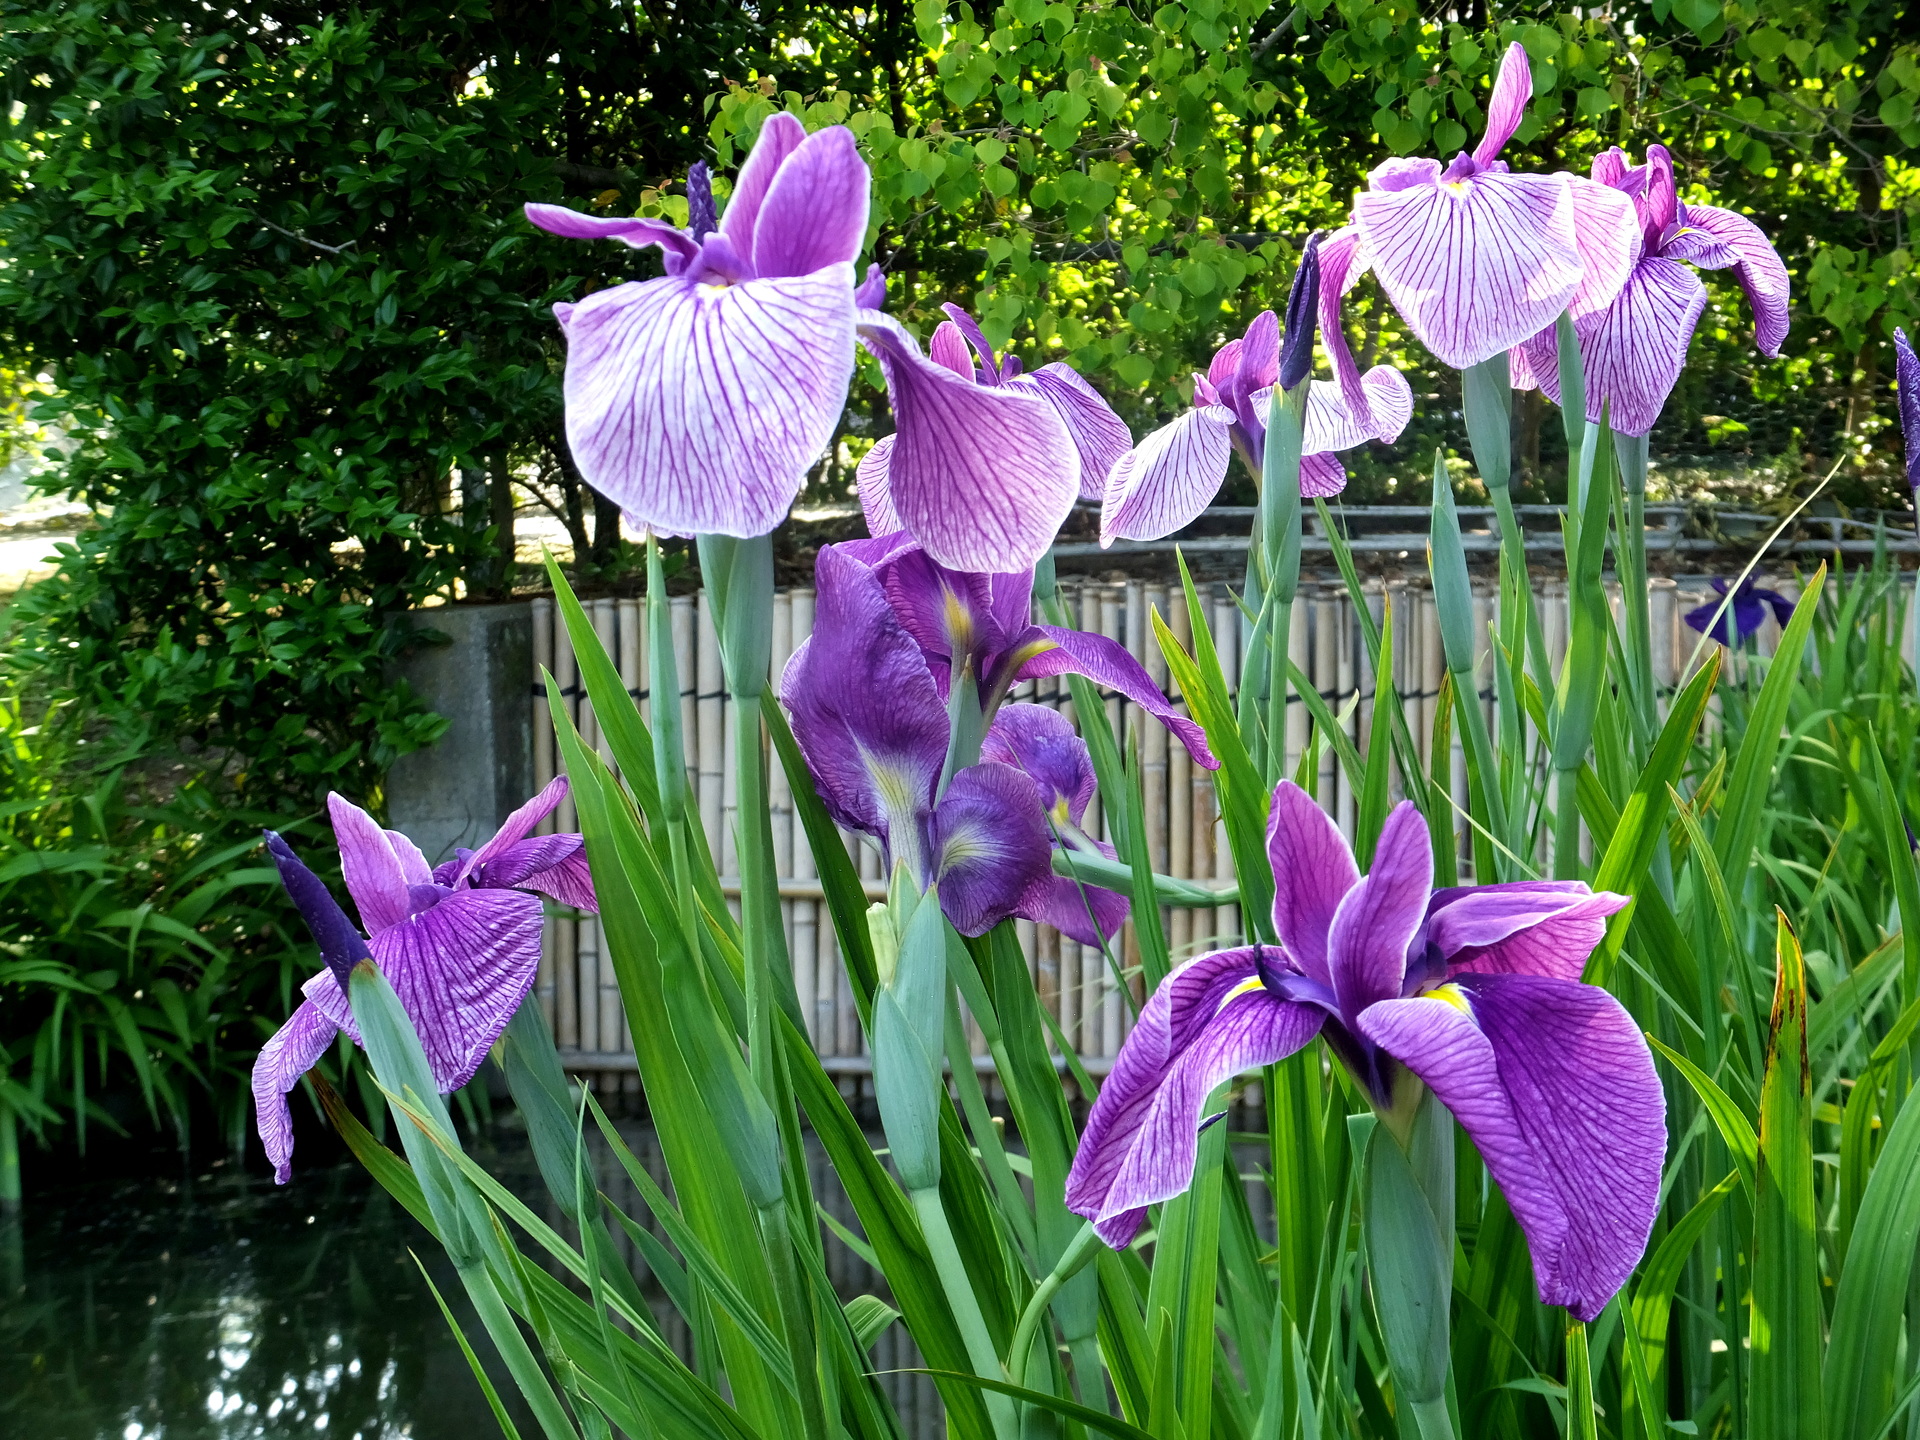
(1377, 919)
(1607, 229)
(698, 408)
(1557, 1090)
(1756, 265)
(815, 212)
(1477, 265)
(1100, 436)
(288, 1055)
(1544, 927)
(780, 135)
(1143, 1132)
(1165, 481)
(1635, 349)
(1313, 870)
(982, 475)
(377, 877)
(461, 969)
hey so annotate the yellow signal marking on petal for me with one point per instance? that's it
(1060, 816)
(959, 621)
(1030, 651)
(1245, 987)
(1450, 995)
(1455, 187)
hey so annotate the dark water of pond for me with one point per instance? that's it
(218, 1306)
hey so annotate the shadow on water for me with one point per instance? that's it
(222, 1307)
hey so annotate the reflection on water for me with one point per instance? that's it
(222, 1307)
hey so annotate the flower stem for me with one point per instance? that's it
(9, 1159)
(1073, 1259)
(796, 1314)
(965, 1305)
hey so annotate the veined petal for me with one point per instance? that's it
(1165, 481)
(1507, 106)
(947, 348)
(518, 826)
(1606, 228)
(698, 408)
(554, 865)
(376, 877)
(1100, 436)
(1313, 870)
(1758, 268)
(981, 474)
(631, 230)
(1041, 743)
(1321, 476)
(1476, 265)
(288, 1055)
(1085, 913)
(871, 484)
(815, 211)
(1556, 1088)
(987, 845)
(1906, 370)
(949, 613)
(864, 708)
(1377, 919)
(780, 135)
(1342, 263)
(1528, 928)
(1108, 663)
(461, 969)
(1330, 425)
(1142, 1135)
(1635, 349)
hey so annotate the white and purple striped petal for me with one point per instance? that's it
(1756, 265)
(1164, 482)
(1556, 1088)
(1906, 370)
(814, 214)
(1635, 349)
(698, 408)
(1100, 436)
(292, 1051)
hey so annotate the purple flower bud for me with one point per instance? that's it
(702, 221)
(1907, 372)
(1303, 306)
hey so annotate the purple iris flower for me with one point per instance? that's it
(1635, 346)
(1473, 991)
(1746, 612)
(1906, 370)
(984, 462)
(1166, 480)
(459, 944)
(1475, 258)
(697, 401)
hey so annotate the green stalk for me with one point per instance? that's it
(669, 753)
(1083, 1247)
(796, 1314)
(966, 1307)
(1280, 521)
(1582, 1424)
(1630, 556)
(9, 1159)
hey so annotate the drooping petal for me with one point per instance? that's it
(1906, 369)
(987, 846)
(947, 348)
(376, 877)
(1165, 481)
(339, 943)
(1377, 919)
(1341, 266)
(554, 865)
(1507, 106)
(1085, 913)
(1607, 232)
(864, 708)
(780, 135)
(1107, 663)
(1142, 1135)
(1321, 476)
(1527, 928)
(871, 484)
(1100, 436)
(1556, 1088)
(1041, 743)
(698, 408)
(461, 969)
(981, 474)
(1313, 870)
(1475, 265)
(1331, 425)
(1635, 349)
(631, 230)
(288, 1055)
(518, 826)
(1757, 266)
(815, 211)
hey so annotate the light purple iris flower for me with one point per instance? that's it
(984, 462)
(460, 945)
(1634, 347)
(1475, 258)
(1906, 370)
(698, 401)
(1165, 481)
(1473, 991)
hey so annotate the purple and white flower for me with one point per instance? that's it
(460, 945)
(698, 401)
(1473, 992)
(1474, 257)
(1635, 346)
(985, 461)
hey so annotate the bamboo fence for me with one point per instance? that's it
(1090, 993)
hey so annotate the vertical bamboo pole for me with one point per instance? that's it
(1181, 795)
(711, 733)
(567, 1025)
(1226, 639)
(543, 772)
